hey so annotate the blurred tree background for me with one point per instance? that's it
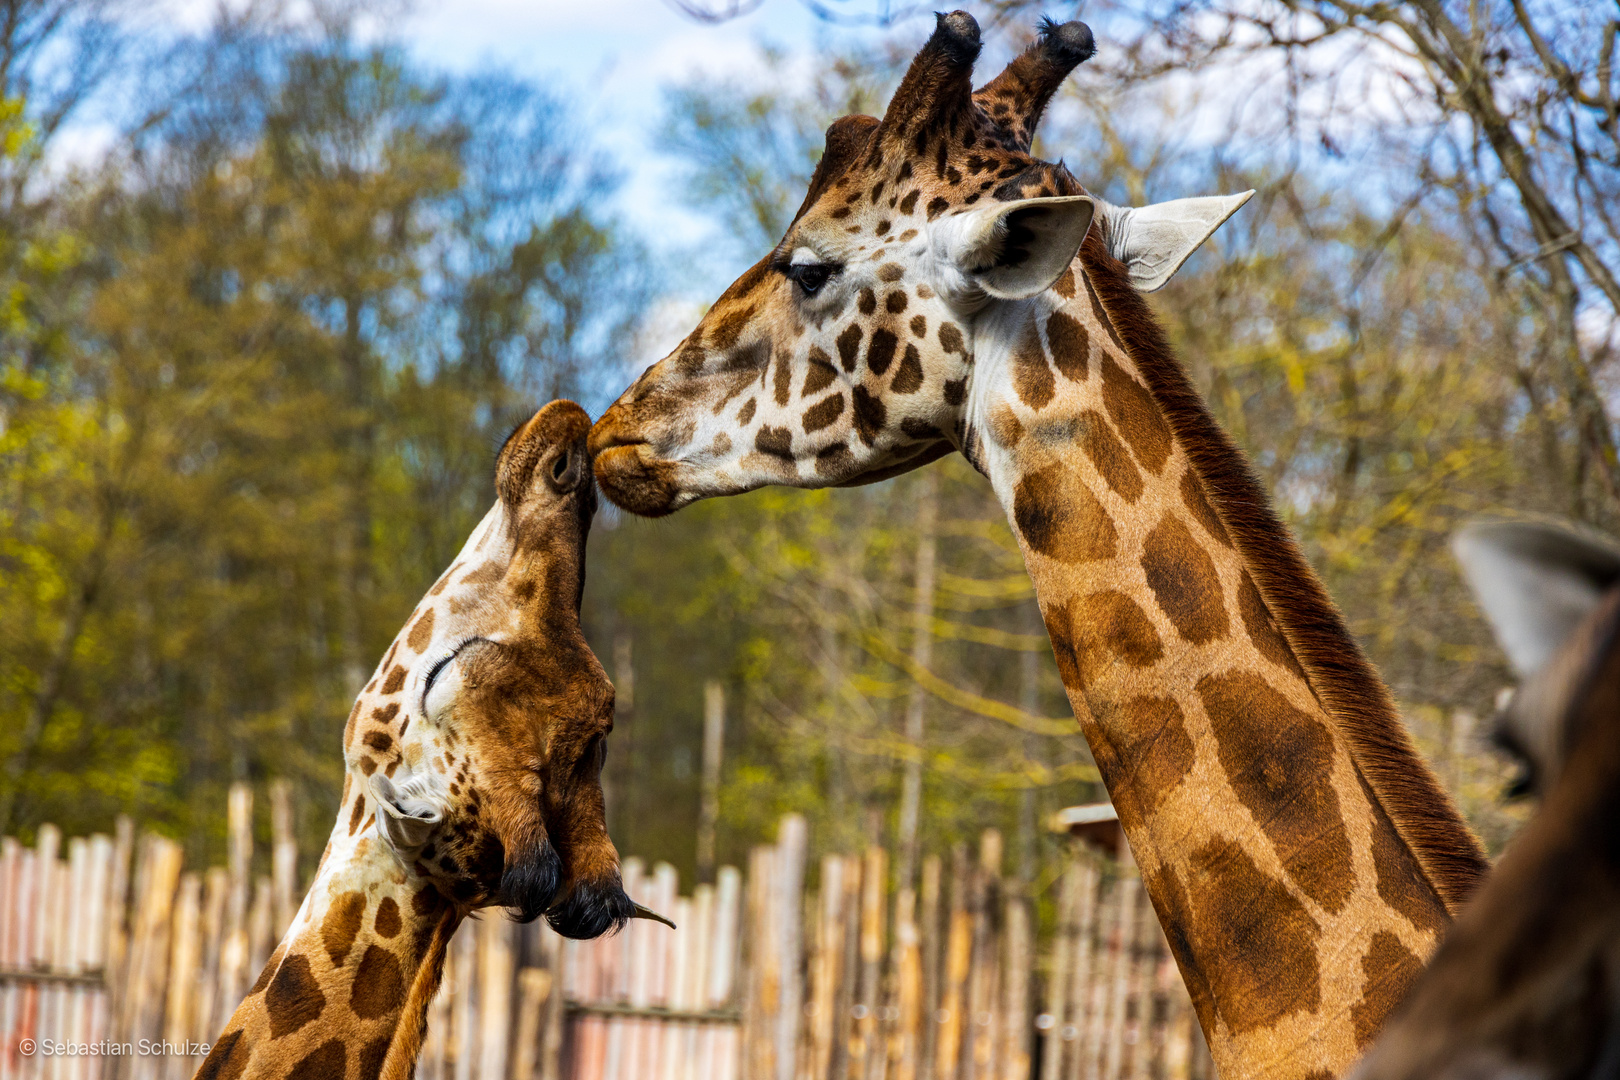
(257, 358)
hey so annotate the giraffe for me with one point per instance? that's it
(941, 289)
(1527, 984)
(473, 759)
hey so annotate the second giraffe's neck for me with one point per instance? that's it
(351, 981)
(1300, 856)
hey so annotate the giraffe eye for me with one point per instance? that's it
(811, 276)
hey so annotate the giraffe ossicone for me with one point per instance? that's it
(473, 762)
(942, 290)
(1527, 983)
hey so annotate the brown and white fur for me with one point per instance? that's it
(942, 290)
(1527, 983)
(473, 760)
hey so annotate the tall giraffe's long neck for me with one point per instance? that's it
(1282, 862)
(346, 992)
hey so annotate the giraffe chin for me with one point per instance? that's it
(634, 480)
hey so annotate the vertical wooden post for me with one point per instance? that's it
(233, 958)
(866, 1054)
(534, 985)
(184, 955)
(118, 906)
(283, 857)
(826, 960)
(551, 1046)
(714, 737)
(933, 936)
(216, 886)
(1057, 988)
(494, 994)
(261, 921)
(958, 954)
(849, 978)
(980, 1021)
(1125, 891)
(791, 844)
(1018, 959)
(727, 924)
(905, 1055)
(762, 991)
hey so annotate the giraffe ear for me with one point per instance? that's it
(1014, 250)
(406, 816)
(1536, 582)
(1153, 241)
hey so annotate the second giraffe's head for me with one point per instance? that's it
(850, 353)
(478, 745)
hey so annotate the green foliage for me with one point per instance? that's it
(252, 386)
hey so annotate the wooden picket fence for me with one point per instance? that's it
(118, 963)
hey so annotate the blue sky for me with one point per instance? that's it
(614, 57)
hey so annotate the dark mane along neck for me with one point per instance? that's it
(1345, 681)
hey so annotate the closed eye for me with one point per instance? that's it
(810, 277)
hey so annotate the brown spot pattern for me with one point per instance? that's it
(395, 680)
(1065, 284)
(823, 413)
(909, 379)
(1109, 456)
(745, 415)
(783, 383)
(1059, 517)
(821, 373)
(358, 814)
(1192, 494)
(372, 1057)
(1031, 374)
(849, 346)
(1136, 415)
(293, 997)
(1183, 579)
(1278, 760)
(387, 921)
(1071, 345)
(227, 1059)
(1155, 752)
(380, 741)
(1399, 877)
(342, 925)
(379, 985)
(880, 353)
(869, 415)
(1387, 971)
(1257, 620)
(730, 327)
(1259, 942)
(326, 1062)
(950, 338)
(1109, 628)
(422, 632)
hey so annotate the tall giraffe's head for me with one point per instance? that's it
(846, 355)
(1527, 983)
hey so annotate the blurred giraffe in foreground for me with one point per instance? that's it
(1527, 983)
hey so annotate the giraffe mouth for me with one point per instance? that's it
(633, 479)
